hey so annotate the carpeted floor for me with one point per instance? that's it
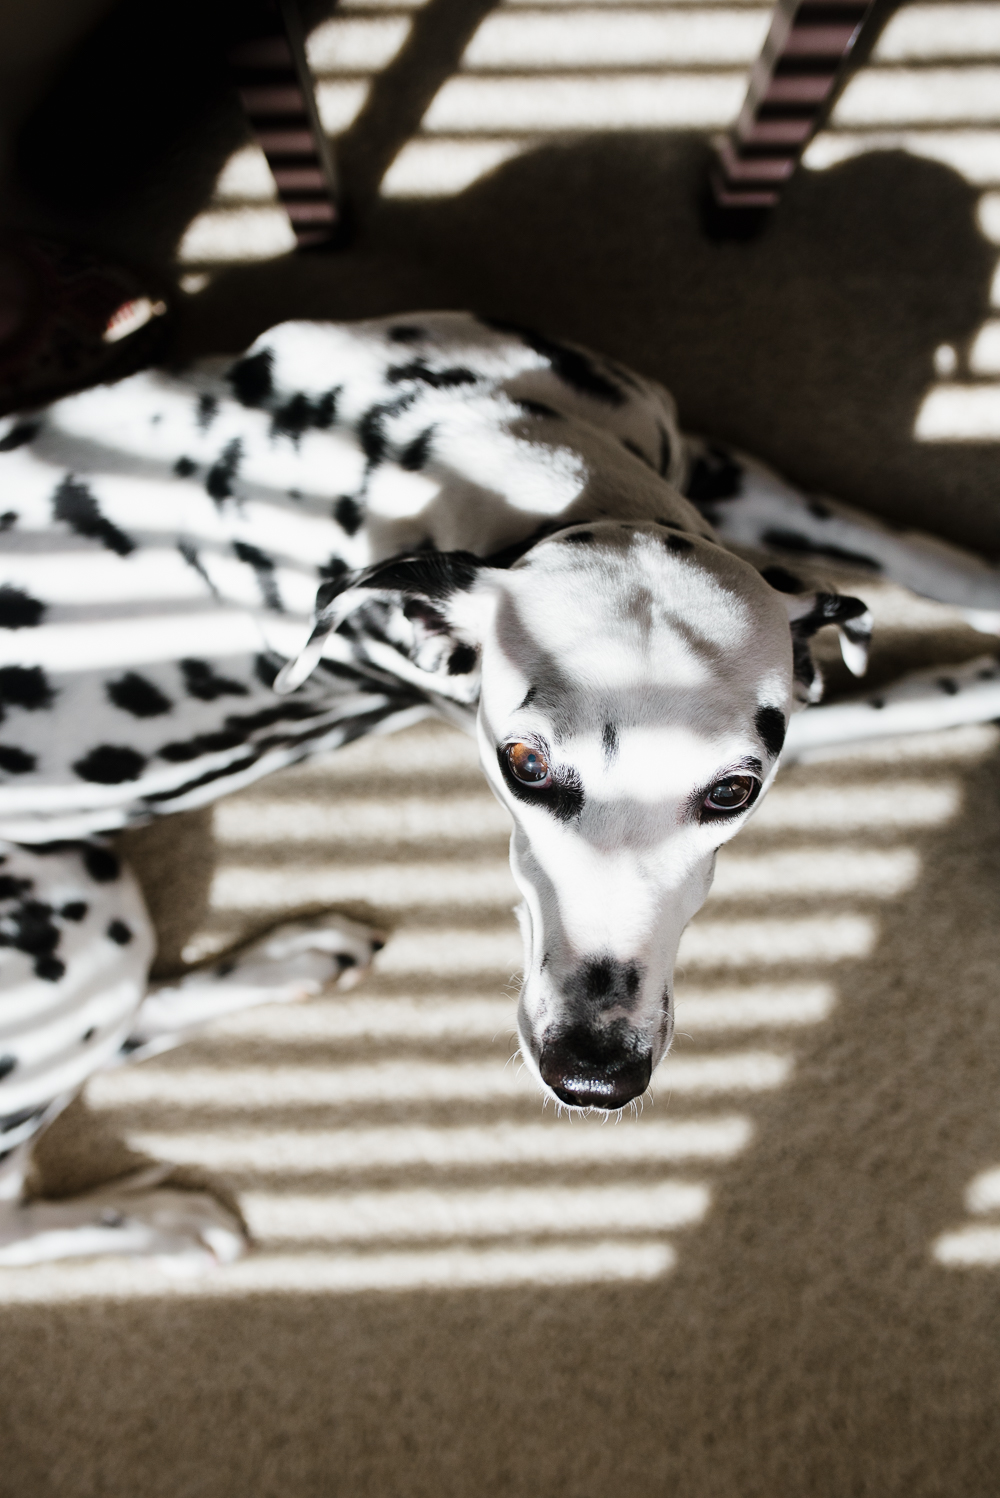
(783, 1278)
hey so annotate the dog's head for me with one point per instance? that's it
(634, 683)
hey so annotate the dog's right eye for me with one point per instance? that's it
(526, 764)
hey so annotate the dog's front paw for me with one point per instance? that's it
(300, 958)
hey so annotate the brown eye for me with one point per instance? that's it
(526, 764)
(731, 794)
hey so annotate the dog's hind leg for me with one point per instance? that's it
(293, 961)
(75, 947)
(918, 703)
(750, 506)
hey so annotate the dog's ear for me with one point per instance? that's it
(419, 617)
(809, 612)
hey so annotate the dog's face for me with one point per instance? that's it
(634, 683)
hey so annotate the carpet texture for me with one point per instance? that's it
(783, 1278)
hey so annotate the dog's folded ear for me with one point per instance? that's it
(419, 617)
(809, 612)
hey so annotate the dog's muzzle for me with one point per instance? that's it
(589, 1069)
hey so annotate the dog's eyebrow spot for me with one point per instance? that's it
(609, 739)
(770, 725)
(527, 699)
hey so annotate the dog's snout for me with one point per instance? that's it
(603, 983)
(594, 1070)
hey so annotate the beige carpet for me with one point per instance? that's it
(783, 1278)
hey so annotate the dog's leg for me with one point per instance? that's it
(918, 703)
(750, 506)
(75, 947)
(294, 961)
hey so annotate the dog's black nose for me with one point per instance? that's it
(592, 1071)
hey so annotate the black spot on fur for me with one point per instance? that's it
(11, 1121)
(263, 568)
(527, 699)
(88, 1035)
(12, 888)
(948, 685)
(666, 452)
(536, 408)
(252, 379)
(18, 610)
(28, 927)
(206, 411)
(266, 668)
(184, 750)
(110, 764)
(604, 983)
(714, 476)
(770, 725)
(636, 451)
(136, 695)
(678, 543)
(76, 507)
(404, 333)
(578, 538)
(572, 365)
(438, 379)
(819, 509)
(609, 740)
(203, 682)
(184, 468)
(462, 660)
(75, 910)
(25, 686)
(236, 730)
(101, 864)
(782, 580)
(333, 570)
(120, 933)
(219, 480)
(7, 1065)
(786, 540)
(372, 435)
(190, 554)
(15, 761)
(19, 435)
(300, 414)
(8, 519)
(414, 456)
(986, 674)
(348, 514)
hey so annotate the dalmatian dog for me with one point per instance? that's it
(213, 573)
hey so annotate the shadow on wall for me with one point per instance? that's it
(813, 346)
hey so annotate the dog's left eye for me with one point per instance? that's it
(526, 764)
(732, 794)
